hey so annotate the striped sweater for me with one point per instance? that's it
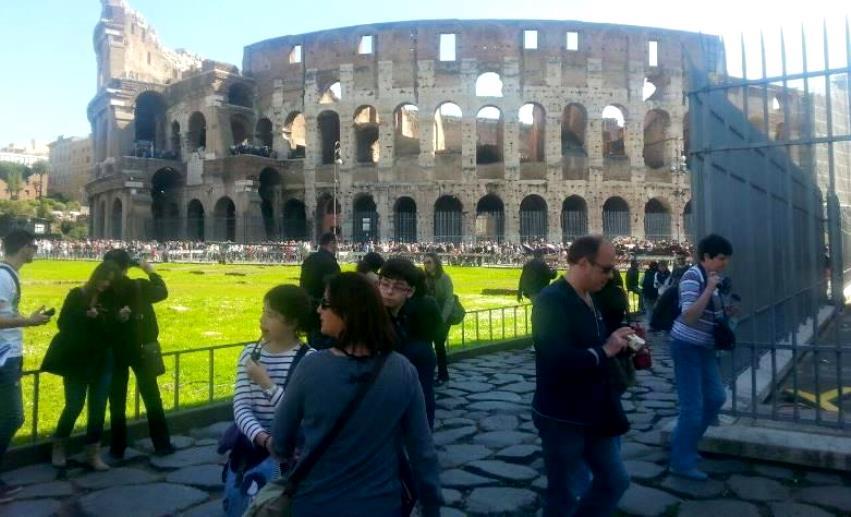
(253, 409)
(701, 333)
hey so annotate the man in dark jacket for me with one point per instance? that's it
(649, 294)
(576, 408)
(315, 271)
(632, 287)
(133, 300)
(536, 275)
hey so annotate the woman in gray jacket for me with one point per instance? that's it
(440, 287)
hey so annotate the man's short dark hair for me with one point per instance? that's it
(17, 239)
(371, 262)
(714, 245)
(400, 269)
(327, 238)
(585, 247)
(119, 256)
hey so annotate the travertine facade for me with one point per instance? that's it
(70, 167)
(490, 138)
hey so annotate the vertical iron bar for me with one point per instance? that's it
(502, 321)
(36, 398)
(211, 366)
(490, 324)
(773, 383)
(463, 334)
(176, 381)
(136, 397)
(515, 321)
(477, 326)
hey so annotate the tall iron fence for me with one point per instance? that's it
(204, 375)
(771, 168)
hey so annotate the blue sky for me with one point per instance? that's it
(48, 62)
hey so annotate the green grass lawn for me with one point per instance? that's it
(221, 304)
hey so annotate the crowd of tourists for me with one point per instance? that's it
(334, 405)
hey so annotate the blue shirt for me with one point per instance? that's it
(691, 287)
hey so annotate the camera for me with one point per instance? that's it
(635, 343)
(49, 312)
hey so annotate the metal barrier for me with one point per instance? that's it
(479, 328)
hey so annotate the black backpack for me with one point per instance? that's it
(667, 309)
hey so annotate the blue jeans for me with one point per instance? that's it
(11, 402)
(567, 448)
(701, 395)
(76, 391)
(238, 497)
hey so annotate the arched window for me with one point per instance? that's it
(533, 123)
(656, 143)
(165, 212)
(239, 129)
(490, 218)
(574, 218)
(117, 220)
(616, 217)
(406, 130)
(364, 219)
(331, 94)
(175, 138)
(263, 132)
(366, 135)
(150, 122)
(489, 84)
(447, 219)
(329, 134)
(613, 131)
(197, 131)
(573, 123)
(195, 220)
(533, 218)
(447, 128)
(688, 222)
(326, 215)
(224, 215)
(239, 94)
(295, 220)
(270, 195)
(295, 134)
(657, 220)
(488, 135)
(405, 214)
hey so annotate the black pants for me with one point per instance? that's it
(150, 392)
(440, 351)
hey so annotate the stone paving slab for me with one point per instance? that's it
(490, 458)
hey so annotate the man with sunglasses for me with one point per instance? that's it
(397, 283)
(19, 249)
(576, 407)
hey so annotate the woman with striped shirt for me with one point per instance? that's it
(263, 371)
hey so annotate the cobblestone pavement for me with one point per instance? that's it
(490, 459)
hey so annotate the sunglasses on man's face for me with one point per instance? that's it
(324, 303)
(606, 270)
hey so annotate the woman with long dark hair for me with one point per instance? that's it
(81, 354)
(440, 287)
(359, 472)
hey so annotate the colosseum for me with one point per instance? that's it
(442, 130)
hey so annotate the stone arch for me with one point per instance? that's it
(328, 123)
(195, 221)
(489, 84)
(489, 135)
(574, 218)
(616, 217)
(364, 218)
(326, 216)
(239, 94)
(150, 122)
(688, 222)
(657, 220)
(365, 124)
(295, 134)
(405, 217)
(574, 120)
(263, 133)
(533, 218)
(448, 219)
(406, 130)
(656, 142)
(165, 212)
(490, 218)
(295, 220)
(331, 93)
(270, 195)
(239, 129)
(117, 220)
(532, 119)
(614, 138)
(197, 131)
(447, 128)
(224, 220)
(100, 220)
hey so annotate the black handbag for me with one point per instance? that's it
(151, 358)
(725, 338)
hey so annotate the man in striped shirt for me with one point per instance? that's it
(699, 389)
(263, 371)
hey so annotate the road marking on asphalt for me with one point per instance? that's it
(824, 400)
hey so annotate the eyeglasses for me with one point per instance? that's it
(324, 303)
(385, 283)
(606, 270)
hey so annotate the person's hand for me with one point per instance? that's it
(617, 341)
(124, 314)
(712, 281)
(258, 374)
(92, 312)
(38, 317)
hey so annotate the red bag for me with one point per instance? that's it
(642, 360)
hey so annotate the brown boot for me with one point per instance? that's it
(93, 458)
(58, 458)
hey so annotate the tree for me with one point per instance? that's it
(13, 174)
(40, 168)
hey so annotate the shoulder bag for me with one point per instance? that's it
(276, 498)
(150, 353)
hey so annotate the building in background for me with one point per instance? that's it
(70, 167)
(24, 154)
